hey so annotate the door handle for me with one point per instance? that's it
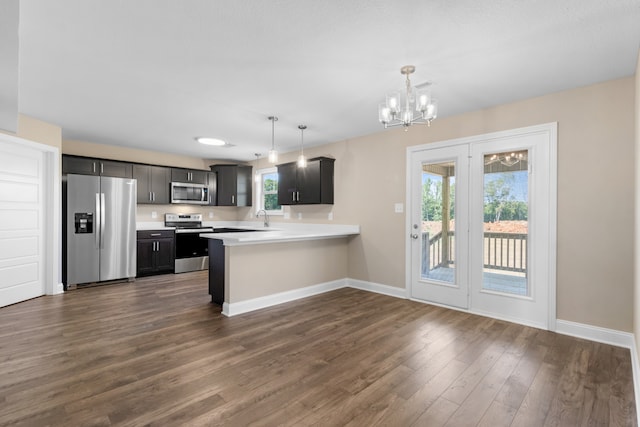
(102, 219)
(97, 227)
(414, 236)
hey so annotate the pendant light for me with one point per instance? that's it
(257, 175)
(302, 161)
(273, 154)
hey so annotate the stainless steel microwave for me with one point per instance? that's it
(195, 194)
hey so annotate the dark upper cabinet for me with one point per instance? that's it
(97, 167)
(189, 175)
(154, 183)
(213, 186)
(306, 186)
(233, 185)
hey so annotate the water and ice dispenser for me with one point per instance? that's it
(84, 222)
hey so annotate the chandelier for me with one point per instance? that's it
(413, 106)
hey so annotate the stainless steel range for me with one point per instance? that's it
(192, 252)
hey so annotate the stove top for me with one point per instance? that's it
(185, 222)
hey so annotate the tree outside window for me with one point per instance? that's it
(267, 191)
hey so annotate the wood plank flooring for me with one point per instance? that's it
(156, 352)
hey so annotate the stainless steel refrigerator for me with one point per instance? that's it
(101, 229)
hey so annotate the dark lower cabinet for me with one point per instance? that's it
(216, 271)
(155, 252)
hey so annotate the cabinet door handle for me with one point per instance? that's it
(233, 199)
(153, 196)
(156, 234)
(101, 168)
(297, 196)
(94, 167)
(293, 196)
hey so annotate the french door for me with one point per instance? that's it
(482, 224)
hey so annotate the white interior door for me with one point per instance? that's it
(439, 216)
(482, 224)
(21, 223)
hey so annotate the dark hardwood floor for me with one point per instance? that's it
(156, 352)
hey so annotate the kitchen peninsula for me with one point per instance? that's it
(254, 269)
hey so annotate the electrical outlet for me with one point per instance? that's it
(154, 215)
(330, 216)
(299, 215)
(399, 207)
(287, 215)
(210, 214)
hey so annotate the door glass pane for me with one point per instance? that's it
(438, 224)
(506, 222)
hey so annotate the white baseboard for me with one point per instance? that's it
(233, 309)
(58, 288)
(391, 291)
(595, 333)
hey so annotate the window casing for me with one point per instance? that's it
(267, 191)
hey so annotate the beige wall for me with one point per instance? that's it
(595, 195)
(37, 131)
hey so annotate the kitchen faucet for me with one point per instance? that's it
(266, 217)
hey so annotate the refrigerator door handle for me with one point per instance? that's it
(98, 225)
(102, 219)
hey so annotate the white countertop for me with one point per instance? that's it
(278, 232)
(142, 226)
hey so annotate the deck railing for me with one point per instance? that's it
(502, 251)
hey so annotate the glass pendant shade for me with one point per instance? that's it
(384, 113)
(422, 100)
(273, 156)
(432, 110)
(393, 102)
(302, 161)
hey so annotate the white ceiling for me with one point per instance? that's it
(154, 74)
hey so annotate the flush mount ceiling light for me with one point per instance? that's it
(414, 106)
(273, 154)
(211, 141)
(302, 161)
